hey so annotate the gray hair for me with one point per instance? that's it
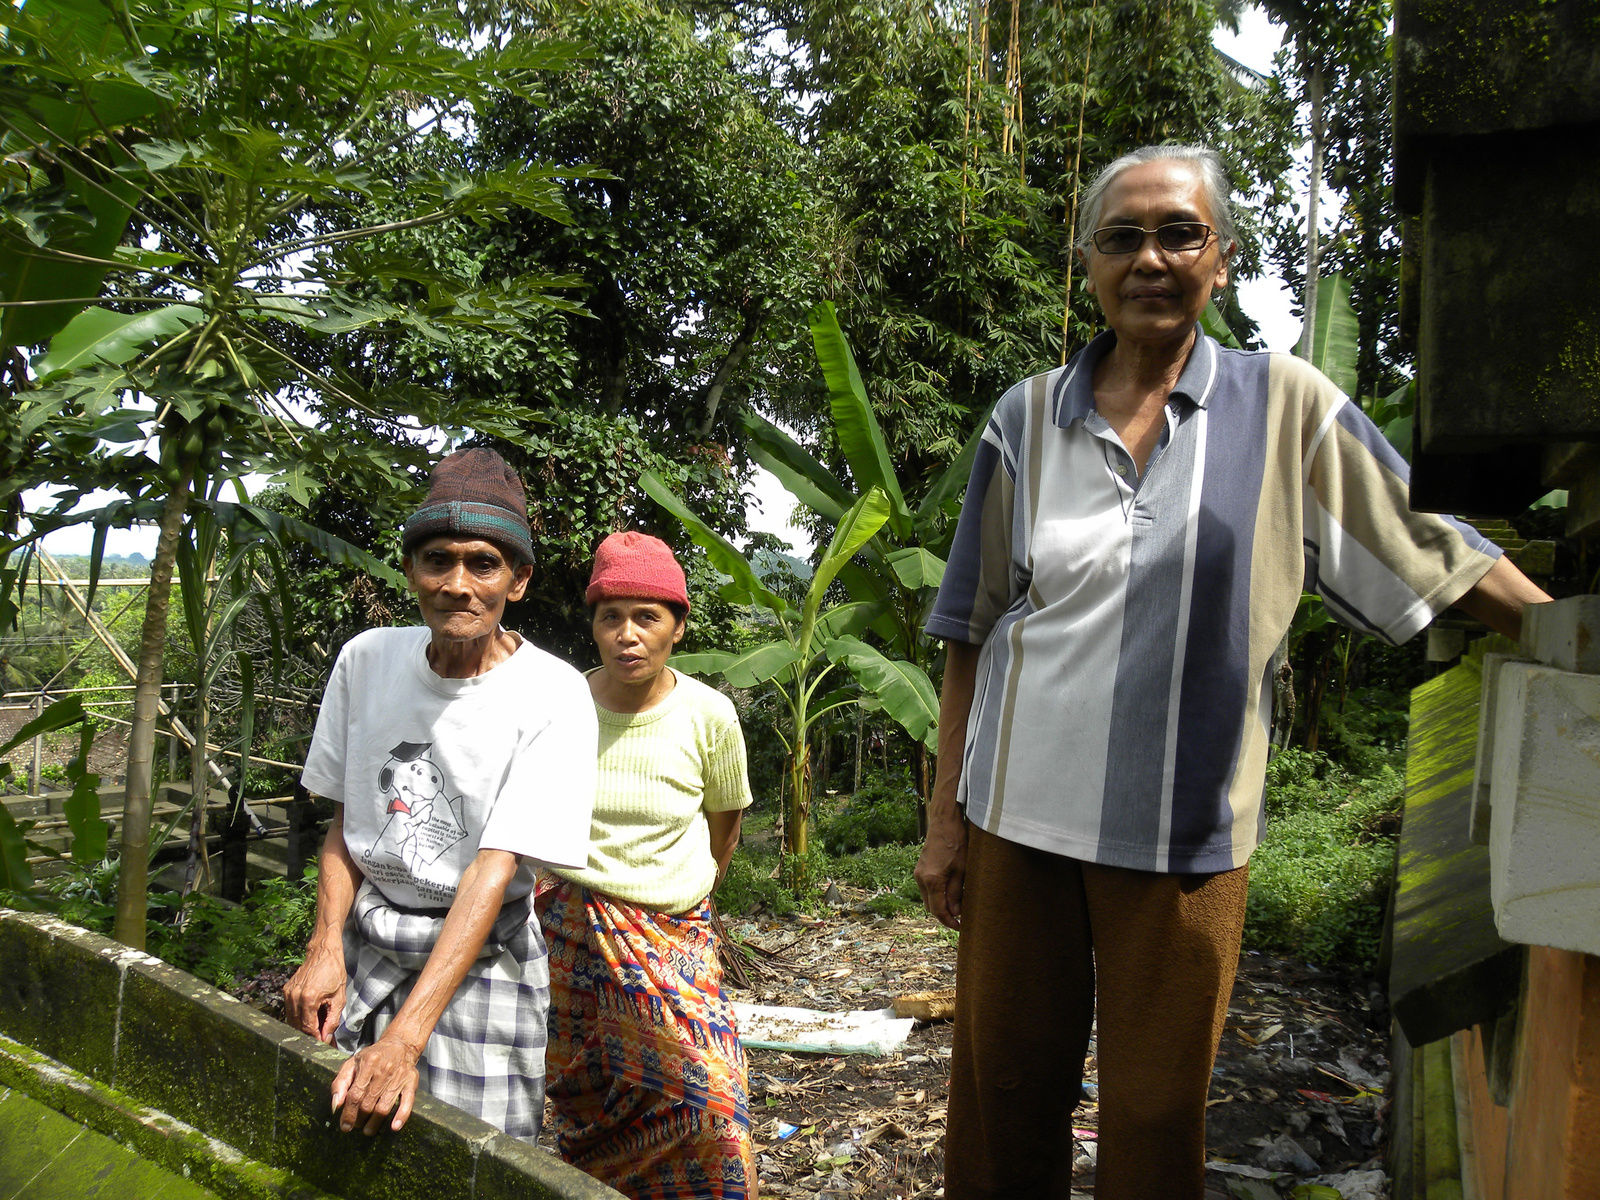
(1207, 164)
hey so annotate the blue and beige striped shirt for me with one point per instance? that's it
(1123, 705)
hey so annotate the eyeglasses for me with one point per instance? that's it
(1126, 239)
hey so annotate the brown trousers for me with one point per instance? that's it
(1040, 936)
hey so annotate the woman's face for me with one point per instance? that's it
(634, 637)
(1154, 296)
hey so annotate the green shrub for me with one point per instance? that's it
(885, 870)
(882, 812)
(226, 943)
(1320, 881)
(752, 883)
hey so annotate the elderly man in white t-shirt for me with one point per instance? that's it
(457, 755)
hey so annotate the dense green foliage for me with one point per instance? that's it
(1320, 881)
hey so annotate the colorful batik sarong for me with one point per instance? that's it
(645, 1074)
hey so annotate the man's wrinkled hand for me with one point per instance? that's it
(373, 1083)
(313, 999)
(942, 868)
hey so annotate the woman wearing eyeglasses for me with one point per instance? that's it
(1135, 535)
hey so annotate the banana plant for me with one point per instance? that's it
(899, 567)
(813, 644)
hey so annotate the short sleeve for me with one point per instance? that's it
(545, 808)
(979, 582)
(1379, 566)
(324, 772)
(727, 775)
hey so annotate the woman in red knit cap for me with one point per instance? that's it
(646, 1077)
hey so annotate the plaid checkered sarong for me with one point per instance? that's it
(486, 1055)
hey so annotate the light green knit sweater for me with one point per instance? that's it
(661, 771)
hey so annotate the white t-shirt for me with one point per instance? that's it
(431, 770)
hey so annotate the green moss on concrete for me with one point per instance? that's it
(59, 994)
(1486, 66)
(1449, 967)
(44, 1155)
(156, 1136)
(200, 1055)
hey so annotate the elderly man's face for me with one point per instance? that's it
(462, 585)
(1153, 296)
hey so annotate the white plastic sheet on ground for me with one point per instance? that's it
(778, 1027)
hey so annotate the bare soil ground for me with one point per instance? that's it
(1299, 1091)
(1302, 1067)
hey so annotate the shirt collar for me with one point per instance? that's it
(1074, 398)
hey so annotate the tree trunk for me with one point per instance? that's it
(133, 876)
(196, 867)
(730, 363)
(861, 721)
(1308, 338)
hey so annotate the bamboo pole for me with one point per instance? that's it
(121, 655)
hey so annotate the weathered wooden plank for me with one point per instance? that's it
(1449, 968)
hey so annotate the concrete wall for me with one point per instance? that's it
(222, 1093)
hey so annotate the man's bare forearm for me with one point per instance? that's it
(338, 880)
(472, 915)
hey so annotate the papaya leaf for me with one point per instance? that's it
(98, 336)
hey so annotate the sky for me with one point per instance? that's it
(1264, 299)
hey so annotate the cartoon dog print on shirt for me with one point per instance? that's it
(424, 819)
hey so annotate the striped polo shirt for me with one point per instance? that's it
(1122, 708)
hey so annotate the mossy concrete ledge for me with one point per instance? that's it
(218, 1092)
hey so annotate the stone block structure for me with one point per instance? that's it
(1497, 164)
(220, 1094)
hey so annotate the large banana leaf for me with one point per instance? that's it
(916, 567)
(856, 427)
(903, 687)
(1335, 333)
(750, 668)
(843, 619)
(703, 662)
(722, 553)
(808, 481)
(863, 520)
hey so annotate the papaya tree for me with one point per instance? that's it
(198, 199)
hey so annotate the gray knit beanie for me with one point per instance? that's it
(474, 494)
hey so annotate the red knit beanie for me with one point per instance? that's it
(638, 566)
